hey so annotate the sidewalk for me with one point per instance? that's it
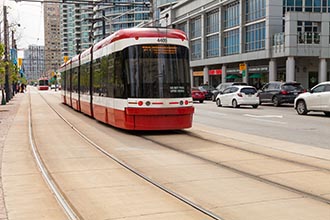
(7, 115)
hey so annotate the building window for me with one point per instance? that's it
(195, 28)
(231, 15)
(306, 5)
(231, 42)
(196, 49)
(255, 37)
(183, 27)
(212, 46)
(212, 22)
(308, 32)
(255, 9)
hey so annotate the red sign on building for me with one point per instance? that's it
(215, 72)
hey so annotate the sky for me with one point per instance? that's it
(29, 16)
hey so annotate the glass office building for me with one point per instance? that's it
(252, 40)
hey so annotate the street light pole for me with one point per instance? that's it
(7, 89)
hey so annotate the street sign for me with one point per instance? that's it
(242, 66)
(242, 69)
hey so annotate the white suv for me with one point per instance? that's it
(318, 99)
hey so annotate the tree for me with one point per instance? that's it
(2, 74)
(2, 66)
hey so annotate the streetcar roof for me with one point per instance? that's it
(75, 58)
(86, 52)
(130, 33)
(141, 33)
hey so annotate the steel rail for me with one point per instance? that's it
(245, 173)
(140, 174)
(45, 174)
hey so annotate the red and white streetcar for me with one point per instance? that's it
(43, 83)
(135, 79)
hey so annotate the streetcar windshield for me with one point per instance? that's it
(43, 82)
(157, 71)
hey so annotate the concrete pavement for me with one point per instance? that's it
(24, 194)
(7, 115)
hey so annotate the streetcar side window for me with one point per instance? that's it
(84, 79)
(110, 75)
(120, 83)
(101, 77)
(63, 81)
(97, 78)
(75, 80)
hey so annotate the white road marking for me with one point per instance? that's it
(263, 116)
(270, 121)
(260, 118)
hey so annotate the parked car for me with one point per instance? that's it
(317, 99)
(197, 95)
(222, 86)
(207, 90)
(280, 92)
(236, 96)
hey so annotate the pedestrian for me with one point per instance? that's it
(22, 87)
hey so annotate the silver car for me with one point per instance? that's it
(317, 99)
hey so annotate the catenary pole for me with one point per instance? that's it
(7, 86)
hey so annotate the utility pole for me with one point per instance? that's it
(14, 48)
(152, 13)
(103, 23)
(5, 21)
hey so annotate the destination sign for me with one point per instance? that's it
(160, 49)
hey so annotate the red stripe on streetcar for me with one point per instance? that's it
(174, 103)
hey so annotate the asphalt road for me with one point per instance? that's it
(282, 122)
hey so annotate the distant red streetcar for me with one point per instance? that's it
(43, 83)
(135, 79)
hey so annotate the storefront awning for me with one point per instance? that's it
(233, 76)
(255, 76)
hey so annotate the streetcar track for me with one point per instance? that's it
(259, 153)
(247, 174)
(135, 171)
(60, 197)
(243, 173)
